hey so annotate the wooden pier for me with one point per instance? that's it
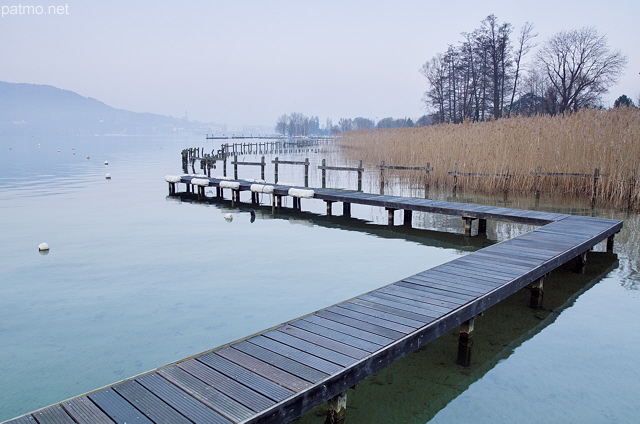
(280, 373)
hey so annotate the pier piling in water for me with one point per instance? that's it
(465, 343)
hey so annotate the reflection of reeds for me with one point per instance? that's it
(577, 143)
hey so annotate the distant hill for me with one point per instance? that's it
(30, 109)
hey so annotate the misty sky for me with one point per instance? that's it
(248, 62)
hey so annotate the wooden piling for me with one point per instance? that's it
(275, 170)
(346, 210)
(391, 212)
(467, 225)
(329, 206)
(537, 293)
(581, 263)
(337, 409)
(610, 243)
(360, 171)
(408, 216)
(324, 173)
(235, 167)
(465, 343)
(482, 226)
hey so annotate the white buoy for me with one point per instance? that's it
(108, 176)
(228, 217)
(43, 247)
(106, 162)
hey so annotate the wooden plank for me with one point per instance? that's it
(371, 319)
(236, 379)
(347, 339)
(86, 412)
(54, 414)
(310, 348)
(296, 354)
(362, 325)
(410, 293)
(180, 400)
(326, 342)
(117, 408)
(432, 287)
(222, 403)
(442, 298)
(282, 362)
(264, 369)
(149, 404)
(410, 304)
(380, 305)
(347, 329)
(381, 314)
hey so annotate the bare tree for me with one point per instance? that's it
(580, 67)
(524, 46)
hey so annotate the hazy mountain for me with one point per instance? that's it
(30, 109)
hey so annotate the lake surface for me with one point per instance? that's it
(136, 279)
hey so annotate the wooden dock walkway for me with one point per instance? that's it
(278, 374)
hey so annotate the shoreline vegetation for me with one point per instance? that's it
(524, 148)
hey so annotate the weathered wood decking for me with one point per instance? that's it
(277, 375)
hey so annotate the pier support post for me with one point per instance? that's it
(172, 189)
(408, 215)
(218, 192)
(482, 226)
(467, 225)
(465, 343)
(581, 263)
(306, 172)
(537, 293)
(275, 170)
(337, 409)
(279, 201)
(360, 171)
(391, 215)
(346, 210)
(329, 206)
(235, 167)
(324, 173)
(609, 242)
(262, 166)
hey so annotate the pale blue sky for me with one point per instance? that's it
(248, 62)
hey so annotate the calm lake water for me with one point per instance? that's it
(135, 279)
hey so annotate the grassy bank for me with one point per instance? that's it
(576, 144)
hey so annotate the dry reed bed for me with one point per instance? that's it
(576, 143)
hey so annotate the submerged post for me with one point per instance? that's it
(337, 409)
(465, 343)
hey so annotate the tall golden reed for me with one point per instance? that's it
(575, 143)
